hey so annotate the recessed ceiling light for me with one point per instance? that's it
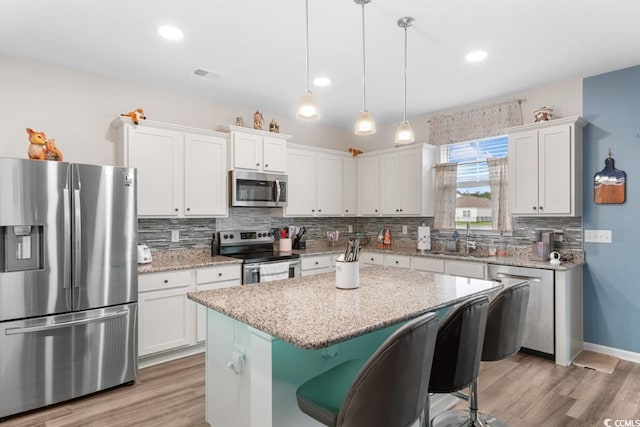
(476, 56)
(322, 81)
(170, 33)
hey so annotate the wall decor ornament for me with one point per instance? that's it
(542, 114)
(274, 126)
(609, 185)
(258, 120)
(239, 121)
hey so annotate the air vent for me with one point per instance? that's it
(207, 74)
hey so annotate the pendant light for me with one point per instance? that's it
(365, 124)
(404, 133)
(307, 108)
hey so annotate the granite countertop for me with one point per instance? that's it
(182, 259)
(311, 313)
(515, 258)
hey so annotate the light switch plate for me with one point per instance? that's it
(404, 229)
(175, 236)
(597, 236)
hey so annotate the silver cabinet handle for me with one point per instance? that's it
(515, 276)
(29, 329)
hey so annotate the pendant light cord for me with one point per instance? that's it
(306, 12)
(364, 67)
(404, 112)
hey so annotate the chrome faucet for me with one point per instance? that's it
(469, 245)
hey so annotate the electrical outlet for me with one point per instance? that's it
(175, 236)
(558, 236)
(404, 229)
(350, 228)
(597, 236)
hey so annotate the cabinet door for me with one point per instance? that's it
(301, 198)
(555, 171)
(465, 269)
(410, 189)
(330, 186)
(156, 153)
(201, 310)
(350, 186)
(389, 184)
(165, 321)
(274, 155)
(205, 189)
(247, 151)
(523, 172)
(368, 196)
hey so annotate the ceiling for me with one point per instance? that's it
(259, 48)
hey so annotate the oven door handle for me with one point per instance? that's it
(278, 190)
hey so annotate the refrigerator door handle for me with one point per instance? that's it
(77, 238)
(66, 280)
(51, 326)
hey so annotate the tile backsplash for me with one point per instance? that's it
(197, 232)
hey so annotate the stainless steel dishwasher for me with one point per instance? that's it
(539, 333)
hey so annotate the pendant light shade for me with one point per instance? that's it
(365, 124)
(307, 108)
(404, 133)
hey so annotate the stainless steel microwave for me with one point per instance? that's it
(255, 189)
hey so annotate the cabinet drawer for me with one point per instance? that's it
(372, 258)
(218, 274)
(397, 261)
(432, 265)
(475, 270)
(165, 280)
(314, 262)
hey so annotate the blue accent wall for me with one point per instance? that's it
(611, 105)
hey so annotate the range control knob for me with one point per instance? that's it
(259, 234)
(226, 236)
(231, 236)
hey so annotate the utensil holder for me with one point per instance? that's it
(347, 275)
(285, 245)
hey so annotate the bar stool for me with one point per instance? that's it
(502, 339)
(387, 390)
(456, 362)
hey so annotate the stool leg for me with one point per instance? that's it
(473, 403)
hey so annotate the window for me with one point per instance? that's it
(473, 190)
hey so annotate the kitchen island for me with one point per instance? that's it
(264, 340)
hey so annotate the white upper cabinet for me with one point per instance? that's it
(545, 168)
(397, 182)
(257, 150)
(350, 186)
(316, 180)
(205, 173)
(368, 185)
(181, 171)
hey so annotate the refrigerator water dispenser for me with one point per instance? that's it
(21, 247)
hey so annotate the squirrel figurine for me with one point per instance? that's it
(41, 148)
(135, 115)
(354, 151)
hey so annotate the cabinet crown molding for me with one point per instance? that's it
(119, 122)
(233, 128)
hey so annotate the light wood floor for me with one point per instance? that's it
(524, 391)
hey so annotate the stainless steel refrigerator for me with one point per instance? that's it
(68, 281)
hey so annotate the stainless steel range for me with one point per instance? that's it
(261, 263)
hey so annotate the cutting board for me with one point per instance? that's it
(609, 185)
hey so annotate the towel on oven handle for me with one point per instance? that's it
(274, 271)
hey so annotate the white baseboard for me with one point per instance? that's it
(154, 359)
(619, 353)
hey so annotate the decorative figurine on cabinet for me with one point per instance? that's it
(543, 114)
(41, 148)
(135, 115)
(239, 121)
(274, 126)
(258, 120)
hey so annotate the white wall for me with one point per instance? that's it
(565, 98)
(76, 108)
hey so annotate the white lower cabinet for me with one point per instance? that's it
(165, 320)
(432, 265)
(401, 261)
(371, 258)
(213, 278)
(316, 264)
(475, 270)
